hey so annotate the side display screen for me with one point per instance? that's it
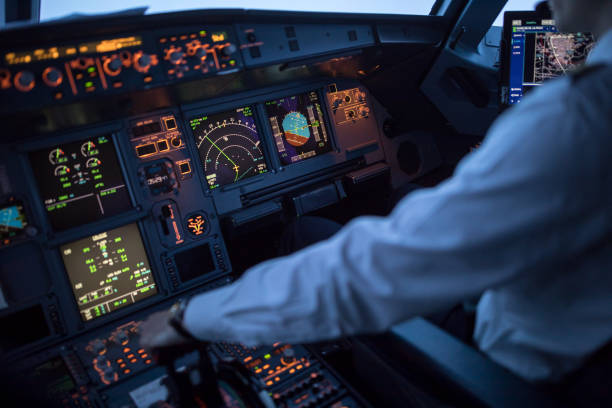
(538, 52)
(12, 222)
(229, 146)
(80, 182)
(298, 126)
(108, 271)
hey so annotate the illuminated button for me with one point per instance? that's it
(299, 367)
(170, 124)
(127, 371)
(58, 95)
(145, 355)
(269, 382)
(127, 350)
(141, 351)
(146, 150)
(119, 360)
(147, 361)
(134, 360)
(266, 366)
(148, 79)
(277, 379)
(258, 371)
(122, 365)
(130, 355)
(185, 168)
(117, 84)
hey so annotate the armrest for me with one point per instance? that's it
(470, 371)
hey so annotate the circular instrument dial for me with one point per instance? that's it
(89, 149)
(57, 156)
(231, 151)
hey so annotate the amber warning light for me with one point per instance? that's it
(52, 53)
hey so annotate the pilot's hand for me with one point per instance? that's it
(156, 332)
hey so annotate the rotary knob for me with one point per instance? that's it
(98, 347)
(52, 76)
(201, 53)
(109, 374)
(113, 66)
(288, 356)
(24, 81)
(122, 338)
(228, 50)
(176, 57)
(142, 62)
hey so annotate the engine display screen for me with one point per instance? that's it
(108, 271)
(298, 126)
(12, 222)
(80, 182)
(229, 146)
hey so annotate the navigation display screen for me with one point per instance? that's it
(229, 146)
(108, 271)
(298, 126)
(538, 52)
(80, 182)
(12, 221)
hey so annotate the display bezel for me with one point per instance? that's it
(260, 133)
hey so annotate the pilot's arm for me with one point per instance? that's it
(514, 206)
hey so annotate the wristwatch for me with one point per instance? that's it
(177, 313)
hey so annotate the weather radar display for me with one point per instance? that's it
(298, 127)
(229, 146)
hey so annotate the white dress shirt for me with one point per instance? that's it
(526, 219)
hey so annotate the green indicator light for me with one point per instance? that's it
(88, 84)
(203, 33)
(91, 69)
(267, 356)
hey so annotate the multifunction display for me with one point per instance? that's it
(108, 271)
(80, 182)
(538, 52)
(298, 127)
(229, 146)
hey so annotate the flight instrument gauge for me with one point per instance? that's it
(229, 146)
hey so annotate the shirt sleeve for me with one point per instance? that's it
(510, 208)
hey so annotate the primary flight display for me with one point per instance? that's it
(298, 127)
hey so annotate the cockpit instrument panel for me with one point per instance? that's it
(298, 126)
(229, 146)
(80, 182)
(108, 271)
